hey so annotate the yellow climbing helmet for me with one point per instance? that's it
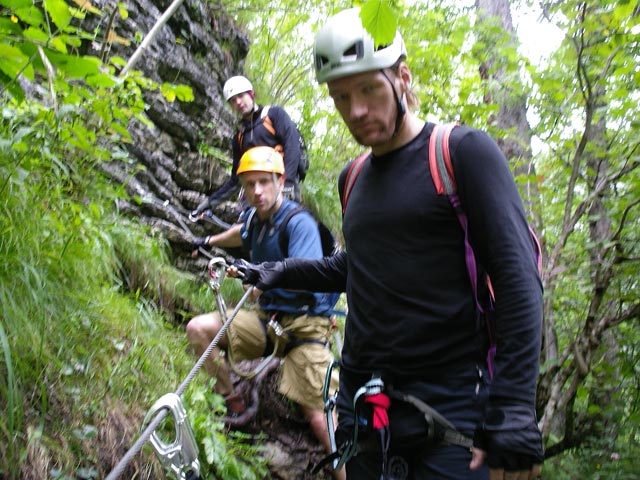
(261, 159)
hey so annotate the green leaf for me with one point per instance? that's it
(16, 3)
(59, 12)
(378, 19)
(30, 15)
(78, 67)
(123, 11)
(36, 35)
(101, 80)
(13, 62)
(58, 44)
(7, 26)
(184, 93)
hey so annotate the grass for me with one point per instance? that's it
(91, 327)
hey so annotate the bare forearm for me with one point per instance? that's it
(227, 239)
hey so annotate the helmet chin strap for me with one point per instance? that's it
(399, 104)
(279, 190)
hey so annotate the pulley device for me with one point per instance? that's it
(180, 457)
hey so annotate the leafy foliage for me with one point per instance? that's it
(84, 344)
(70, 337)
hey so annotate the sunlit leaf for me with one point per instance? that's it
(378, 19)
(78, 67)
(12, 4)
(14, 62)
(30, 15)
(59, 12)
(123, 11)
(184, 93)
(36, 35)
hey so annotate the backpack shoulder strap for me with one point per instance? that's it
(283, 236)
(249, 225)
(440, 159)
(352, 175)
(266, 120)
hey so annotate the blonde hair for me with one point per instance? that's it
(413, 102)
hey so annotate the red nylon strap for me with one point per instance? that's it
(380, 403)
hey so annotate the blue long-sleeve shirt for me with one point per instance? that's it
(262, 241)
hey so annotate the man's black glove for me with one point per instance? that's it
(205, 206)
(201, 242)
(511, 438)
(264, 276)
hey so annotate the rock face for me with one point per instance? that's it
(186, 153)
(199, 47)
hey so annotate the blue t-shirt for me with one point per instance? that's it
(261, 239)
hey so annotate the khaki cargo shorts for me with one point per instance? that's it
(304, 368)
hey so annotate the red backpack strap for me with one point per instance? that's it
(440, 159)
(352, 175)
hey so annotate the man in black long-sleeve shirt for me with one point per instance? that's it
(278, 132)
(412, 319)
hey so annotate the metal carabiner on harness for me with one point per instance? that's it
(329, 406)
(373, 387)
(342, 454)
(181, 456)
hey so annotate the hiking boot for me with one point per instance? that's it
(235, 405)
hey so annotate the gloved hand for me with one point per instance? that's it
(265, 276)
(201, 242)
(511, 439)
(202, 208)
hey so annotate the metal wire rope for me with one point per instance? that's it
(153, 424)
(146, 434)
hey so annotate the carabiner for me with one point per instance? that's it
(181, 456)
(329, 406)
(372, 387)
(217, 271)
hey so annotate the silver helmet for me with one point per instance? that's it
(236, 85)
(343, 47)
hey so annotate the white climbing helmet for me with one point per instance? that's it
(343, 47)
(236, 85)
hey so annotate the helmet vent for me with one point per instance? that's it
(321, 61)
(356, 50)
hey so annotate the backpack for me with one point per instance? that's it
(329, 245)
(442, 174)
(303, 163)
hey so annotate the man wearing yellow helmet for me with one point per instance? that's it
(304, 316)
(280, 132)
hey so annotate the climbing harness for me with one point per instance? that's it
(217, 271)
(181, 456)
(374, 394)
(183, 463)
(371, 392)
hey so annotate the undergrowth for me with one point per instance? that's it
(86, 343)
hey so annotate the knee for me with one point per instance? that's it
(317, 421)
(202, 327)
